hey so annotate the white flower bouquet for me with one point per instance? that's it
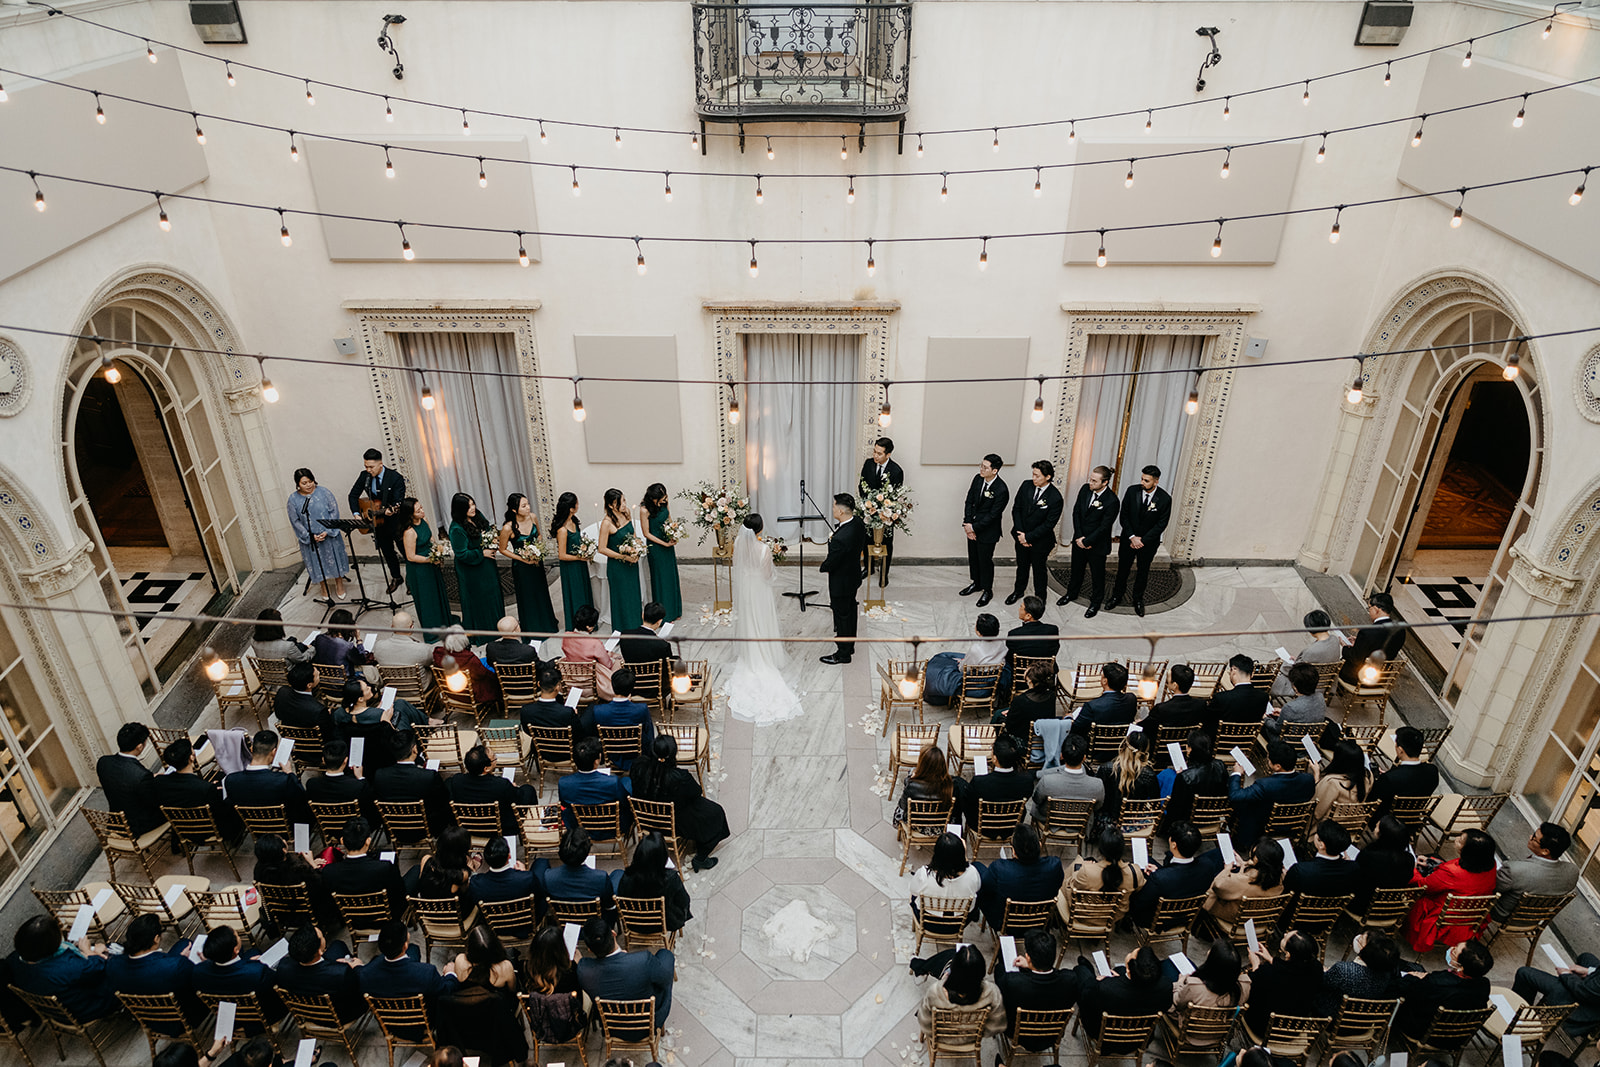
(888, 508)
(587, 546)
(441, 552)
(674, 530)
(531, 550)
(489, 540)
(633, 548)
(717, 508)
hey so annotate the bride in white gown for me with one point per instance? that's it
(757, 692)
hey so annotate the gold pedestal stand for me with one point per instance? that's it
(876, 553)
(722, 572)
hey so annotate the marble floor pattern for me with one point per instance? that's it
(810, 815)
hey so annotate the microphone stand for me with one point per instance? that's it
(802, 518)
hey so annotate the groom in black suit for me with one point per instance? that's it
(980, 521)
(843, 568)
(1146, 509)
(1093, 515)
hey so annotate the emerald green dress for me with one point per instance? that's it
(627, 610)
(426, 586)
(664, 569)
(477, 581)
(534, 609)
(576, 592)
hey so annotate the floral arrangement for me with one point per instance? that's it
(441, 552)
(780, 549)
(716, 508)
(489, 540)
(635, 547)
(674, 530)
(531, 550)
(888, 508)
(587, 546)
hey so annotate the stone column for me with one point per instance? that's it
(1354, 419)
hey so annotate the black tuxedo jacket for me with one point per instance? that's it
(1180, 710)
(510, 650)
(1424, 995)
(321, 789)
(327, 975)
(1368, 640)
(641, 645)
(1093, 524)
(264, 788)
(1403, 780)
(487, 788)
(128, 786)
(191, 791)
(1242, 703)
(1051, 991)
(1034, 639)
(1323, 876)
(407, 781)
(301, 709)
(843, 563)
(391, 490)
(1037, 519)
(983, 511)
(1147, 523)
(891, 474)
(367, 874)
(1171, 882)
(554, 713)
(996, 785)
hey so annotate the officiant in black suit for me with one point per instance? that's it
(875, 472)
(1146, 510)
(1093, 515)
(849, 540)
(980, 520)
(387, 488)
(1034, 515)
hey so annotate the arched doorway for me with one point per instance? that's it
(1456, 487)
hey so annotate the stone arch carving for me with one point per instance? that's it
(32, 541)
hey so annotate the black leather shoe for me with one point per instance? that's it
(1138, 608)
(985, 598)
(1094, 609)
(1113, 602)
(1013, 598)
(394, 583)
(1063, 599)
(969, 590)
(833, 658)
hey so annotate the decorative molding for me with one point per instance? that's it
(60, 575)
(243, 400)
(33, 539)
(381, 320)
(869, 320)
(1548, 584)
(1158, 307)
(1586, 389)
(1221, 356)
(22, 390)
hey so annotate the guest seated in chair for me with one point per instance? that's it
(658, 777)
(623, 710)
(552, 712)
(47, 964)
(942, 675)
(457, 646)
(580, 645)
(592, 784)
(1029, 876)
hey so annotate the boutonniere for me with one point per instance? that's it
(1094, 504)
(988, 492)
(1150, 506)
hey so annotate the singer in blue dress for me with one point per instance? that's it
(321, 549)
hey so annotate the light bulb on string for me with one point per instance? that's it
(455, 679)
(639, 263)
(522, 250)
(1466, 60)
(1522, 112)
(294, 149)
(919, 146)
(215, 666)
(1354, 393)
(770, 153)
(149, 51)
(99, 111)
(944, 187)
(1513, 365)
(1455, 220)
(1038, 403)
(885, 416)
(1548, 27)
(199, 134)
(1072, 130)
(1100, 260)
(1305, 97)
(1388, 75)
(427, 395)
(544, 138)
(983, 255)
(1333, 234)
(694, 140)
(1192, 404)
(872, 265)
(1577, 194)
(1149, 120)
(576, 191)
(997, 139)
(388, 110)
(1322, 149)
(1416, 138)
(1127, 183)
(578, 414)
(161, 219)
(388, 164)
(1227, 108)
(1038, 181)
(310, 99)
(682, 682)
(1372, 669)
(911, 683)
(483, 176)
(38, 193)
(1216, 245)
(1227, 159)
(666, 178)
(760, 197)
(269, 392)
(283, 230)
(733, 402)
(850, 193)
(112, 374)
(405, 244)
(466, 124)
(1149, 682)
(755, 268)
(844, 149)
(227, 69)
(3, 96)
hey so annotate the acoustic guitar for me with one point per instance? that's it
(371, 508)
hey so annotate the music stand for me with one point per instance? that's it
(802, 519)
(360, 603)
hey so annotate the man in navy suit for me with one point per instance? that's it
(1035, 514)
(1328, 873)
(46, 964)
(623, 711)
(313, 966)
(1179, 877)
(981, 517)
(399, 971)
(127, 781)
(617, 975)
(406, 780)
(361, 872)
(1252, 804)
(227, 974)
(1031, 875)
(499, 879)
(574, 879)
(144, 970)
(1114, 706)
(262, 785)
(1146, 510)
(1093, 514)
(591, 784)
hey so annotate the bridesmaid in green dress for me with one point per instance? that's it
(576, 592)
(663, 556)
(423, 580)
(622, 572)
(477, 577)
(534, 611)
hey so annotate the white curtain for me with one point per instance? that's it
(800, 431)
(474, 440)
(1156, 423)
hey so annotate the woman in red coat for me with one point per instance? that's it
(1472, 874)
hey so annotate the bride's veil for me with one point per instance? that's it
(754, 601)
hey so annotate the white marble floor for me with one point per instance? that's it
(798, 949)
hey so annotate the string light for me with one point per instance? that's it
(1333, 234)
(199, 134)
(544, 138)
(1192, 404)
(1466, 60)
(911, 684)
(755, 268)
(1227, 108)
(575, 190)
(1038, 403)
(997, 139)
(1548, 27)
(1127, 183)
(733, 402)
(1216, 245)
(294, 149)
(1072, 131)
(522, 250)
(872, 266)
(1513, 362)
(885, 416)
(1516, 123)
(1322, 149)
(640, 261)
(1388, 75)
(578, 414)
(919, 146)
(1305, 97)
(1149, 120)
(850, 193)
(770, 154)
(216, 669)
(1354, 395)
(694, 140)
(983, 255)
(1577, 194)
(682, 682)
(1455, 220)
(283, 230)
(112, 374)
(427, 394)
(618, 131)
(455, 678)
(1226, 159)
(1416, 138)
(405, 244)
(149, 52)
(3, 96)
(388, 164)
(1038, 181)
(1372, 669)
(844, 149)
(227, 69)
(666, 178)
(1149, 683)
(1100, 260)
(310, 99)
(161, 219)
(944, 187)
(760, 197)
(483, 177)
(99, 112)
(38, 193)
(269, 392)
(388, 110)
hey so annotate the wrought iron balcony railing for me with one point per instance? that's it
(828, 62)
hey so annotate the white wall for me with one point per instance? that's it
(974, 63)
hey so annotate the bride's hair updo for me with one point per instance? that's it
(753, 523)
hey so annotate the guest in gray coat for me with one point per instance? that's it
(1543, 873)
(1324, 648)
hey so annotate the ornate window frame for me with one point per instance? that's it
(380, 320)
(1226, 323)
(869, 320)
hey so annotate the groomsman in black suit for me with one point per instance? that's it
(1092, 518)
(1034, 515)
(387, 487)
(875, 472)
(1146, 510)
(986, 505)
(844, 577)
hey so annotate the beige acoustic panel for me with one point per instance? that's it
(349, 179)
(964, 421)
(1179, 189)
(1562, 130)
(51, 129)
(630, 421)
